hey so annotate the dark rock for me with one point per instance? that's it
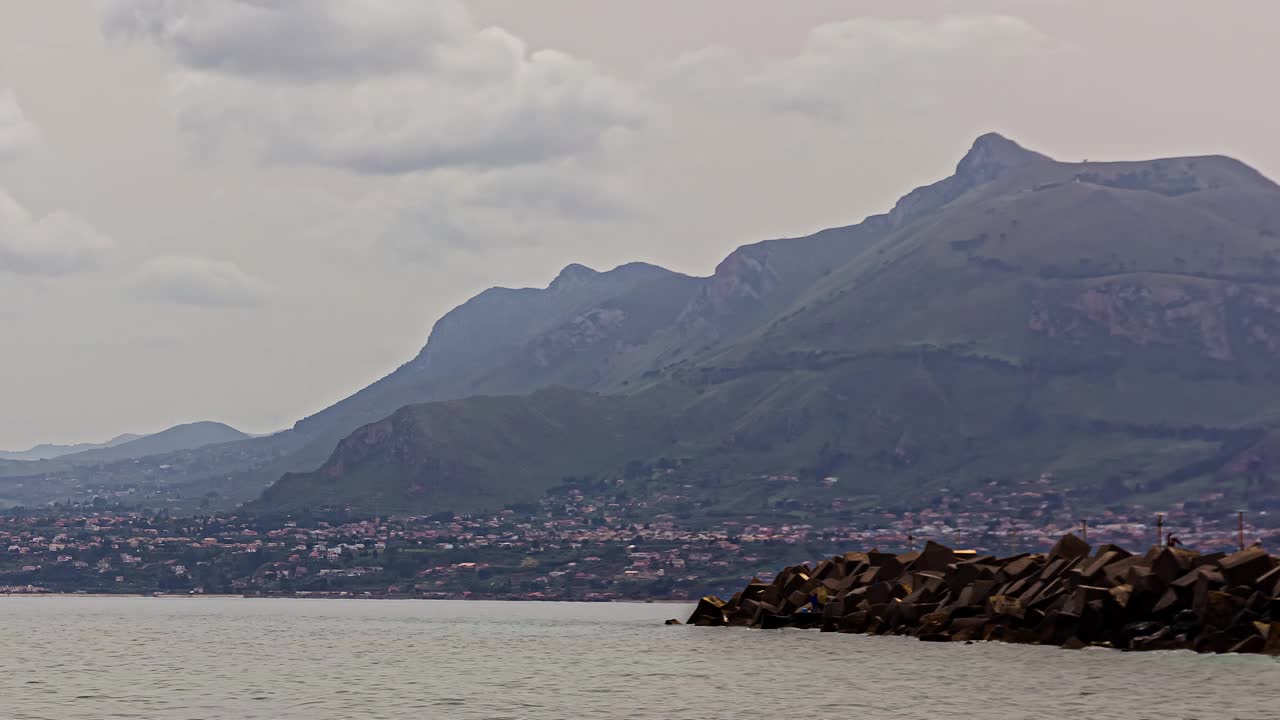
(1269, 582)
(1070, 547)
(934, 557)
(1162, 639)
(1251, 644)
(1109, 548)
(1057, 627)
(709, 612)
(1142, 628)
(1166, 564)
(775, 622)
(1169, 602)
(1092, 571)
(1221, 607)
(1020, 566)
(798, 599)
(879, 593)
(906, 558)
(1114, 573)
(855, 622)
(1246, 566)
(1168, 598)
(967, 628)
(1272, 646)
(1084, 595)
(806, 620)
(1005, 605)
(1214, 642)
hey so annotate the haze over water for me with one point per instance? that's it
(73, 658)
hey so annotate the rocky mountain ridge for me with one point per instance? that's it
(1110, 323)
(48, 451)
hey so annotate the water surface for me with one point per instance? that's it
(94, 658)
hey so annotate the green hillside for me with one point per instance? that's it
(1112, 325)
(480, 452)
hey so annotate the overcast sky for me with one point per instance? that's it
(243, 210)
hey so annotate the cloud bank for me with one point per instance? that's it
(199, 282)
(55, 244)
(375, 86)
(18, 135)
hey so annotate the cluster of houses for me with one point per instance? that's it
(575, 544)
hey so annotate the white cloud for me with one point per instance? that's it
(55, 244)
(708, 74)
(18, 135)
(199, 282)
(422, 218)
(865, 62)
(308, 40)
(376, 86)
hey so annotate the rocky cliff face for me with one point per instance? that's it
(471, 343)
(1007, 318)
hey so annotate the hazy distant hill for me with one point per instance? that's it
(180, 437)
(1114, 324)
(191, 436)
(48, 451)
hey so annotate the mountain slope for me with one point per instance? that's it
(49, 451)
(484, 451)
(1114, 324)
(605, 331)
(180, 437)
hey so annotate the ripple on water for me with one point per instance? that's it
(83, 658)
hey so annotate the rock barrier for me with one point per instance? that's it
(1169, 598)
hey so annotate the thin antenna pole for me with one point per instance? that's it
(1084, 529)
(1240, 525)
(1159, 529)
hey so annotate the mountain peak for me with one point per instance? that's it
(572, 274)
(994, 153)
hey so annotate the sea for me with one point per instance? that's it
(68, 658)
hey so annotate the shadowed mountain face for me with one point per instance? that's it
(49, 451)
(608, 331)
(190, 436)
(1114, 324)
(41, 480)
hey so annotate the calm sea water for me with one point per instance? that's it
(72, 658)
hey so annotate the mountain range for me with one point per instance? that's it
(1111, 325)
(48, 451)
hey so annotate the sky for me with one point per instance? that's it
(245, 210)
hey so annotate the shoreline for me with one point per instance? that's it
(213, 596)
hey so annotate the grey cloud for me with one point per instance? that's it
(867, 61)
(566, 191)
(467, 96)
(307, 40)
(55, 244)
(421, 218)
(199, 282)
(707, 73)
(163, 343)
(18, 135)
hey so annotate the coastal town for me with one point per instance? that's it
(583, 541)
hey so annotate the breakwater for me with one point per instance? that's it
(1074, 596)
